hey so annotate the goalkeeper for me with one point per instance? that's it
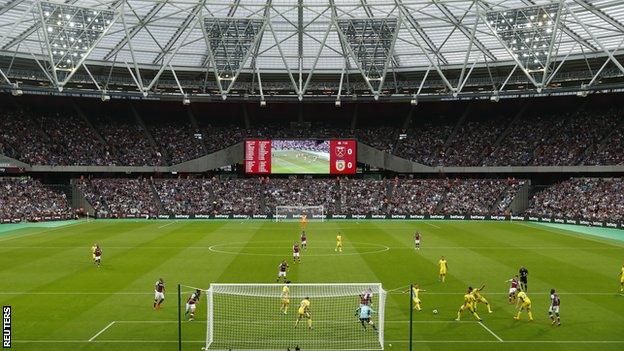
(365, 312)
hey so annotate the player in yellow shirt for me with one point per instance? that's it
(338, 243)
(469, 302)
(93, 252)
(304, 312)
(526, 305)
(443, 268)
(415, 298)
(304, 221)
(285, 298)
(622, 280)
(479, 298)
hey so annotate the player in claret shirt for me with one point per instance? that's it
(304, 240)
(97, 253)
(191, 304)
(513, 288)
(417, 240)
(281, 271)
(553, 311)
(159, 293)
(296, 250)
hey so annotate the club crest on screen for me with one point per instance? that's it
(340, 151)
(340, 165)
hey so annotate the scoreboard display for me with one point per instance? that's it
(303, 156)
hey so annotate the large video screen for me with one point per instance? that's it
(304, 156)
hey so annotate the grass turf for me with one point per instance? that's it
(286, 162)
(61, 301)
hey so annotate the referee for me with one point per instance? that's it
(523, 272)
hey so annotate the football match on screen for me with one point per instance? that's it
(312, 175)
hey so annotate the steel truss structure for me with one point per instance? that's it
(293, 50)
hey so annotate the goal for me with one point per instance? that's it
(294, 213)
(248, 317)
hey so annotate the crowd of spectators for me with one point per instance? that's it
(302, 192)
(179, 142)
(472, 196)
(64, 138)
(130, 142)
(598, 199)
(263, 195)
(363, 196)
(612, 152)
(473, 141)
(120, 197)
(308, 145)
(23, 139)
(28, 199)
(509, 194)
(186, 196)
(595, 199)
(239, 196)
(567, 145)
(55, 139)
(415, 196)
(424, 144)
(525, 136)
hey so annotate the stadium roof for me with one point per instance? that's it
(443, 40)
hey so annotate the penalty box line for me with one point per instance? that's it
(102, 331)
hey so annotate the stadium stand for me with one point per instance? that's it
(122, 197)
(186, 196)
(119, 136)
(302, 192)
(600, 199)
(28, 199)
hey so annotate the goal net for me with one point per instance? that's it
(251, 317)
(294, 213)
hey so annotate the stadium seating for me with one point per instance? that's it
(116, 138)
(599, 199)
(28, 199)
(122, 197)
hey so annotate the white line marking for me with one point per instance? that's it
(594, 238)
(19, 236)
(162, 226)
(376, 248)
(490, 331)
(101, 331)
(281, 322)
(387, 341)
(276, 296)
(498, 248)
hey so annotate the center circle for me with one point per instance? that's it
(284, 248)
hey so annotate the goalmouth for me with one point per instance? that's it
(249, 317)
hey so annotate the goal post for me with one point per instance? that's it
(251, 317)
(294, 213)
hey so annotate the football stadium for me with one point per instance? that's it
(312, 175)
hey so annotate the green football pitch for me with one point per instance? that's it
(286, 162)
(61, 301)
